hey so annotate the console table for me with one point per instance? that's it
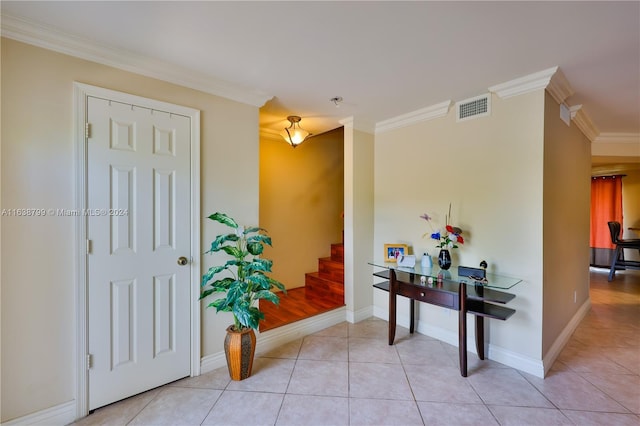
(453, 292)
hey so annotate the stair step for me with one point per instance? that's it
(330, 269)
(337, 252)
(323, 288)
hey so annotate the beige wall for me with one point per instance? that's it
(491, 171)
(301, 203)
(38, 282)
(359, 148)
(567, 192)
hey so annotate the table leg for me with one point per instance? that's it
(412, 308)
(393, 288)
(480, 336)
(462, 329)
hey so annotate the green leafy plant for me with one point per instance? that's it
(246, 281)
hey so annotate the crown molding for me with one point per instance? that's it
(574, 110)
(526, 84)
(583, 122)
(347, 122)
(559, 87)
(52, 39)
(555, 82)
(424, 114)
(625, 138)
(359, 124)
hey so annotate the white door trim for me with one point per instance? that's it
(81, 92)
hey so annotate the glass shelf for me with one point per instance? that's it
(493, 280)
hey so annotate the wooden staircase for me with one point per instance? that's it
(328, 282)
(323, 291)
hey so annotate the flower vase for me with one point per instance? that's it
(444, 259)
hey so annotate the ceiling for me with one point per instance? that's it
(385, 58)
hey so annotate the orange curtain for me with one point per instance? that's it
(606, 206)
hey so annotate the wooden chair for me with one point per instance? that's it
(618, 256)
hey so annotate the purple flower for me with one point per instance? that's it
(425, 217)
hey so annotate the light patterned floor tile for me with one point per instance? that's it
(324, 348)
(300, 410)
(447, 414)
(348, 374)
(625, 388)
(372, 350)
(568, 390)
(178, 406)
(424, 352)
(119, 413)
(289, 350)
(589, 418)
(326, 378)
(235, 408)
(524, 416)
(376, 380)
(506, 387)
(377, 412)
(440, 384)
(216, 379)
(268, 375)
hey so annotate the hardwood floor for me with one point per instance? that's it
(296, 304)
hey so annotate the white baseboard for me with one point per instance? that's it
(515, 360)
(563, 338)
(61, 414)
(359, 315)
(212, 362)
(272, 339)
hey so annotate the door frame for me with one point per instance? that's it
(81, 91)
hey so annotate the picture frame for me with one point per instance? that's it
(392, 251)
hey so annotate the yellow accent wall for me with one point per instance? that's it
(301, 203)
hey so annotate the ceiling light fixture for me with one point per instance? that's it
(294, 134)
(336, 100)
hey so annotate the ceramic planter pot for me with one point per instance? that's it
(239, 348)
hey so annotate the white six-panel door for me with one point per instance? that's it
(138, 195)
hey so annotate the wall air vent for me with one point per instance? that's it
(480, 106)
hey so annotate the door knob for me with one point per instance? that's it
(182, 261)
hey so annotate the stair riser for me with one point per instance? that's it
(328, 282)
(332, 276)
(319, 283)
(326, 294)
(331, 270)
(337, 252)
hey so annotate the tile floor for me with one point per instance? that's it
(348, 375)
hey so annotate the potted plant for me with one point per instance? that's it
(244, 281)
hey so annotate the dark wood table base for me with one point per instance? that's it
(450, 295)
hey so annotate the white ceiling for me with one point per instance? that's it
(384, 58)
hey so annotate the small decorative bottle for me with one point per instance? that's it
(426, 262)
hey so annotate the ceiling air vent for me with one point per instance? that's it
(480, 106)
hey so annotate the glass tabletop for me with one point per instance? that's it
(492, 280)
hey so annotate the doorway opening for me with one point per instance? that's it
(301, 207)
